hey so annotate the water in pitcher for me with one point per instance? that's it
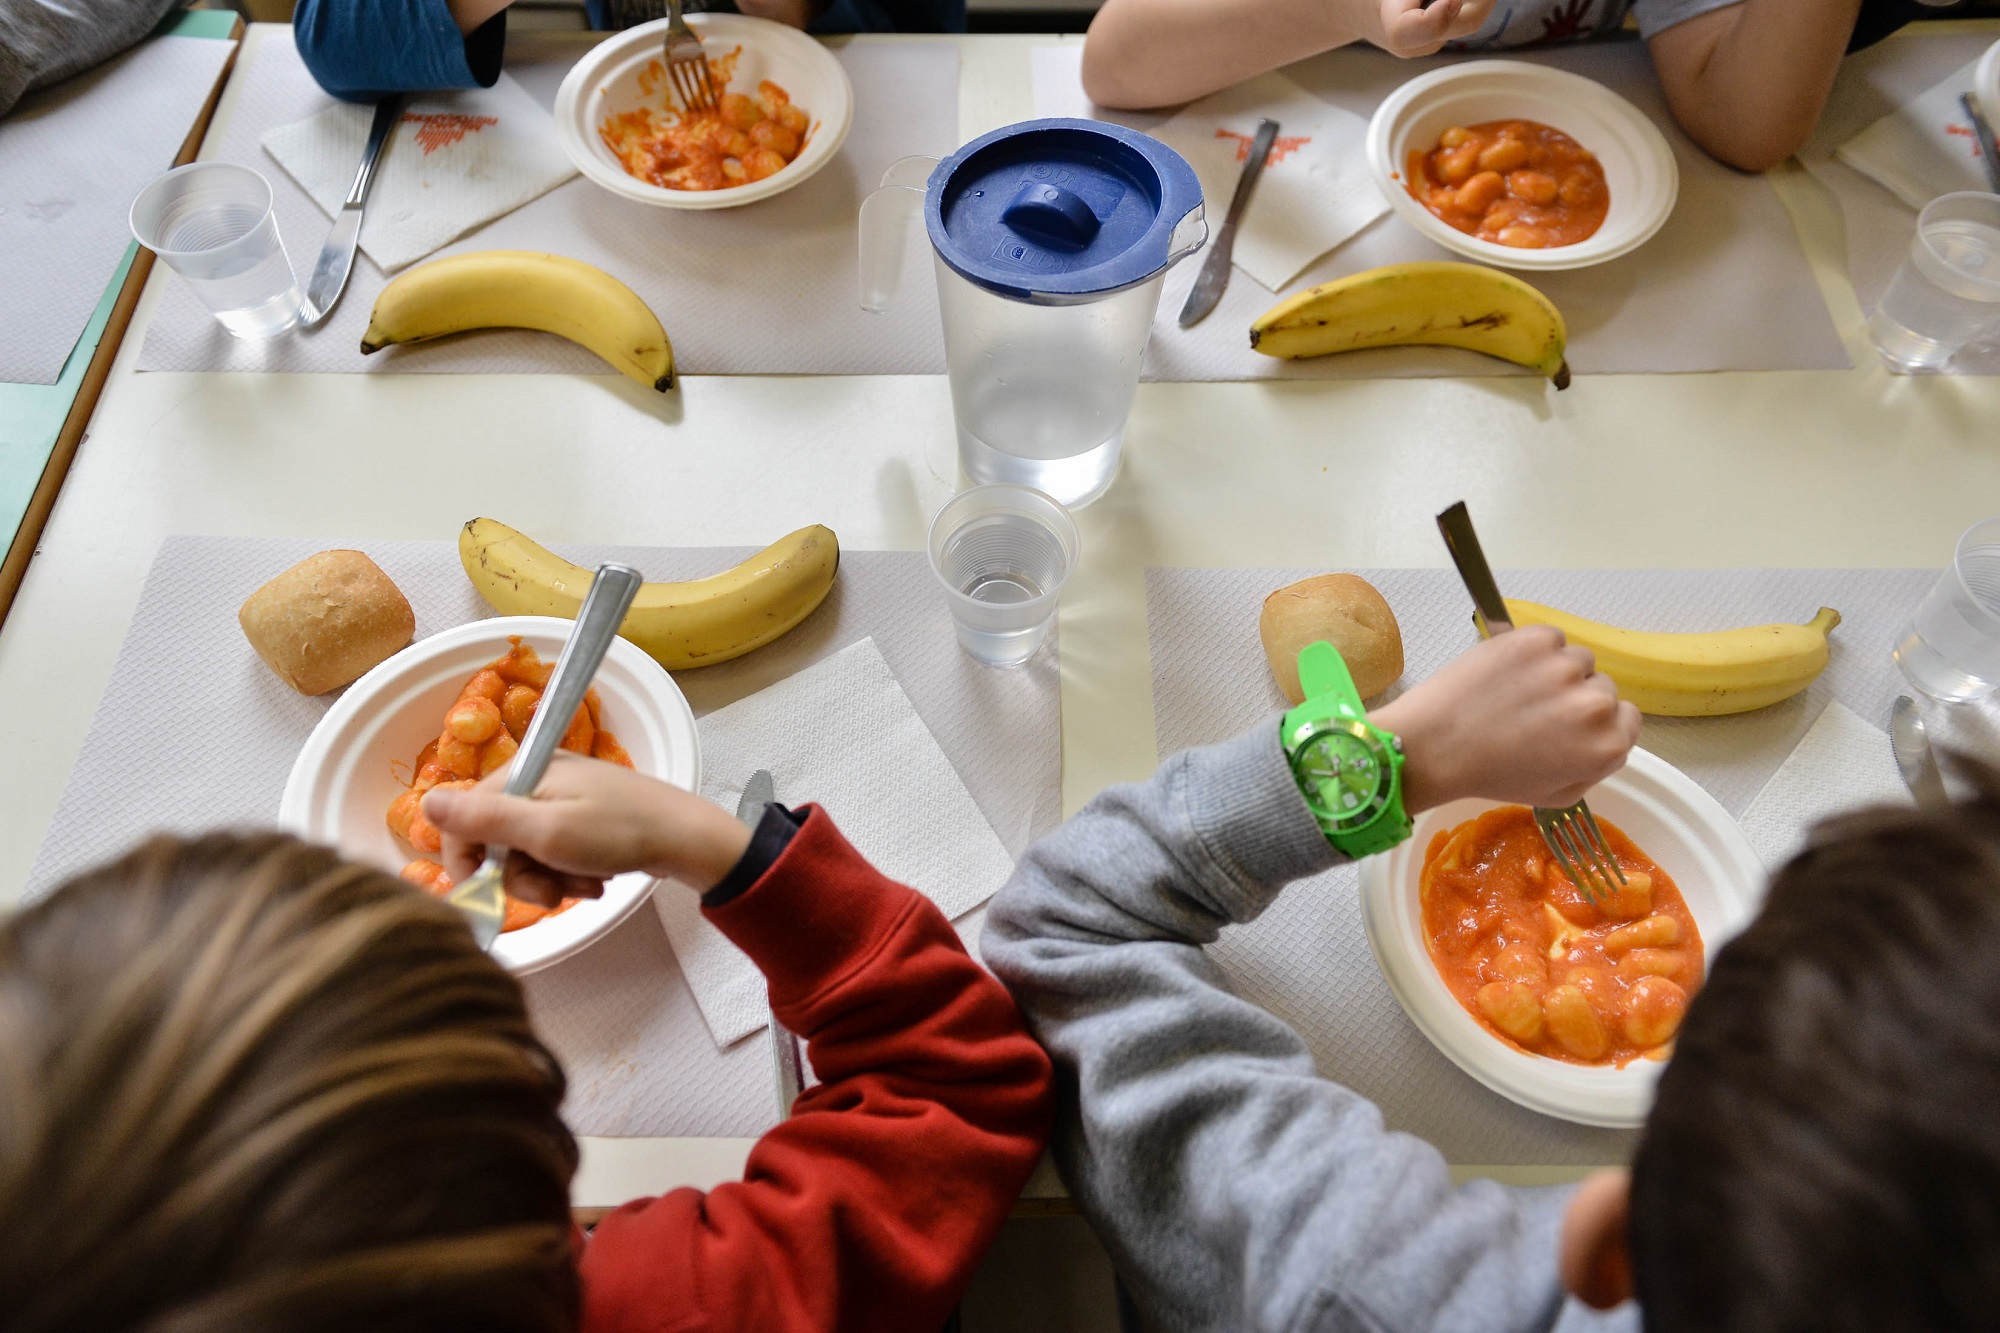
(1951, 647)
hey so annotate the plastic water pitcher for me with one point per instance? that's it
(1052, 239)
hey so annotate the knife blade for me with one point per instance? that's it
(1915, 759)
(1489, 608)
(1989, 147)
(336, 257)
(1208, 287)
(787, 1064)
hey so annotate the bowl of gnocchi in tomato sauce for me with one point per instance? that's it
(1521, 166)
(1566, 1003)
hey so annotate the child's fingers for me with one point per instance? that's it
(532, 882)
(471, 819)
(1413, 30)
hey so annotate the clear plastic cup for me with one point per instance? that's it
(1950, 649)
(1003, 554)
(212, 224)
(1948, 290)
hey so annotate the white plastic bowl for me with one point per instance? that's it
(1638, 165)
(1986, 82)
(358, 758)
(607, 81)
(1673, 821)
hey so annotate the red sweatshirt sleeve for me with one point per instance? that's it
(870, 1207)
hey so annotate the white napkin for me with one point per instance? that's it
(1316, 190)
(1925, 148)
(1842, 764)
(843, 734)
(456, 161)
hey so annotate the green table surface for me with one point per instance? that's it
(32, 415)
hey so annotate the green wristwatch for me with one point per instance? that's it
(1350, 771)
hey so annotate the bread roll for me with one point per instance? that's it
(1346, 611)
(325, 621)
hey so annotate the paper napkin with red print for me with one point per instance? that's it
(1924, 149)
(457, 161)
(1316, 190)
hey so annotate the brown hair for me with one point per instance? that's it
(1824, 1152)
(247, 1086)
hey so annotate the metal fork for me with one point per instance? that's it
(482, 897)
(687, 63)
(1572, 834)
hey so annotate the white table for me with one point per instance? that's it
(1851, 468)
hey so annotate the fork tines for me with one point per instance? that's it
(690, 76)
(1579, 846)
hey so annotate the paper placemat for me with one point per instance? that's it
(1871, 84)
(1308, 960)
(765, 289)
(1725, 285)
(194, 732)
(72, 159)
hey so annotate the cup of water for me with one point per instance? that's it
(212, 223)
(1003, 554)
(1948, 290)
(1951, 648)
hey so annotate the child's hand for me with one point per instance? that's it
(1521, 717)
(1407, 28)
(588, 821)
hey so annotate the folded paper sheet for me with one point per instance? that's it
(456, 161)
(1924, 148)
(1842, 764)
(1315, 192)
(843, 735)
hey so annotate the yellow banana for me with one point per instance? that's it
(696, 623)
(1697, 675)
(1437, 302)
(519, 289)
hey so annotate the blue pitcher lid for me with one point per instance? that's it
(1059, 210)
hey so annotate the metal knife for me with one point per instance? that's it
(1215, 269)
(786, 1061)
(1914, 757)
(336, 257)
(1489, 609)
(1989, 147)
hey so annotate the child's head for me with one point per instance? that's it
(246, 1086)
(1824, 1152)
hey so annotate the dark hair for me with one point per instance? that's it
(246, 1086)
(1824, 1152)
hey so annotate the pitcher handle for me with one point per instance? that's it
(886, 217)
(1188, 235)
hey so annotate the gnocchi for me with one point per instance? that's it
(1514, 182)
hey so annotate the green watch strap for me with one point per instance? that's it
(1323, 676)
(1329, 693)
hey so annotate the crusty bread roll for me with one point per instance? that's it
(325, 621)
(1346, 611)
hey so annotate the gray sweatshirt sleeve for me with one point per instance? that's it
(1236, 1188)
(45, 41)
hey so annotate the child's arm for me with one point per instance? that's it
(1747, 82)
(1147, 53)
(361, 50)
(870, 1207)
(1232, 1183)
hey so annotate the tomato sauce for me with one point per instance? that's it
(1512, 182)
(746, 138)
(1543, 968)
(482, 730)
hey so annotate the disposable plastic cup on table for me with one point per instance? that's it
(1950, 649)
(1948, 290)
(212, 224)
(1003, 554)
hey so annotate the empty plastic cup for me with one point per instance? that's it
(212, 224)
(1003, 554)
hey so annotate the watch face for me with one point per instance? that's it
(1345, 775)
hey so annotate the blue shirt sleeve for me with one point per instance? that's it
(890, 16)
(361, 50)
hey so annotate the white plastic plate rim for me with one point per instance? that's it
(1638, 163)
(1986, 82)
(580, 105)
(1675, 822)
(650, 715)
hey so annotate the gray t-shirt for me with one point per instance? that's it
(1546, 22)
(45, 41)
